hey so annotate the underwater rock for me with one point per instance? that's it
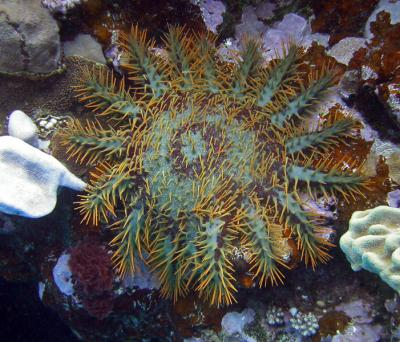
(61, 6)
(357, 333)
(22, 127)
(373, 243)
(265, 10)
(344, 50)
(297, 25)
(359, 311)
(29, 179)
(62, 275)
(143, 278)
(249, 25)
(292, 28)
(29, 44)
(85, 45)
(393, 198)
(212, 12)
(234, 322)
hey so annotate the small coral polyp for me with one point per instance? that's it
(196, 157)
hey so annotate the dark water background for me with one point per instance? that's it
(23, 317)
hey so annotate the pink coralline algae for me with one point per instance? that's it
(92, 272)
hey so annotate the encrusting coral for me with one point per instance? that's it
(196, 157)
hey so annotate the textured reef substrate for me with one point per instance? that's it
(310, 305)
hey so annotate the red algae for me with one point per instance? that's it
(91, 268)
(341, 18)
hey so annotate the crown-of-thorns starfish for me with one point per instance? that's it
(197, 156)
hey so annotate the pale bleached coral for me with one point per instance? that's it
(61, 6)
(22, 127)
(373, 243)
(29, 179)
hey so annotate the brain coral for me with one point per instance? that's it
(373, 243)
(197, 157)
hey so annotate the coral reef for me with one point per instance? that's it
(212, 12)
(234, 322)
(92, 272)
(361, 314)
(31, 248)
(376, 68)
(275, 316)
(105, 19)
(391, 7)
(341, 18)
(292, 28)
(48, 123)
(372, 243)
(304, 324)
(195, 156)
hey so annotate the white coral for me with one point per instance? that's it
(29, 179)
(22, 127)
(373, 243)
(61, 6)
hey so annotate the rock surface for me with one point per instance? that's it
(212, 12)
(62, 275)
(234, 322)
(344, 50)
(29, 44)
(85, 45)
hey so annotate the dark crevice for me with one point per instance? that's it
(25, 318)
(375, 114)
